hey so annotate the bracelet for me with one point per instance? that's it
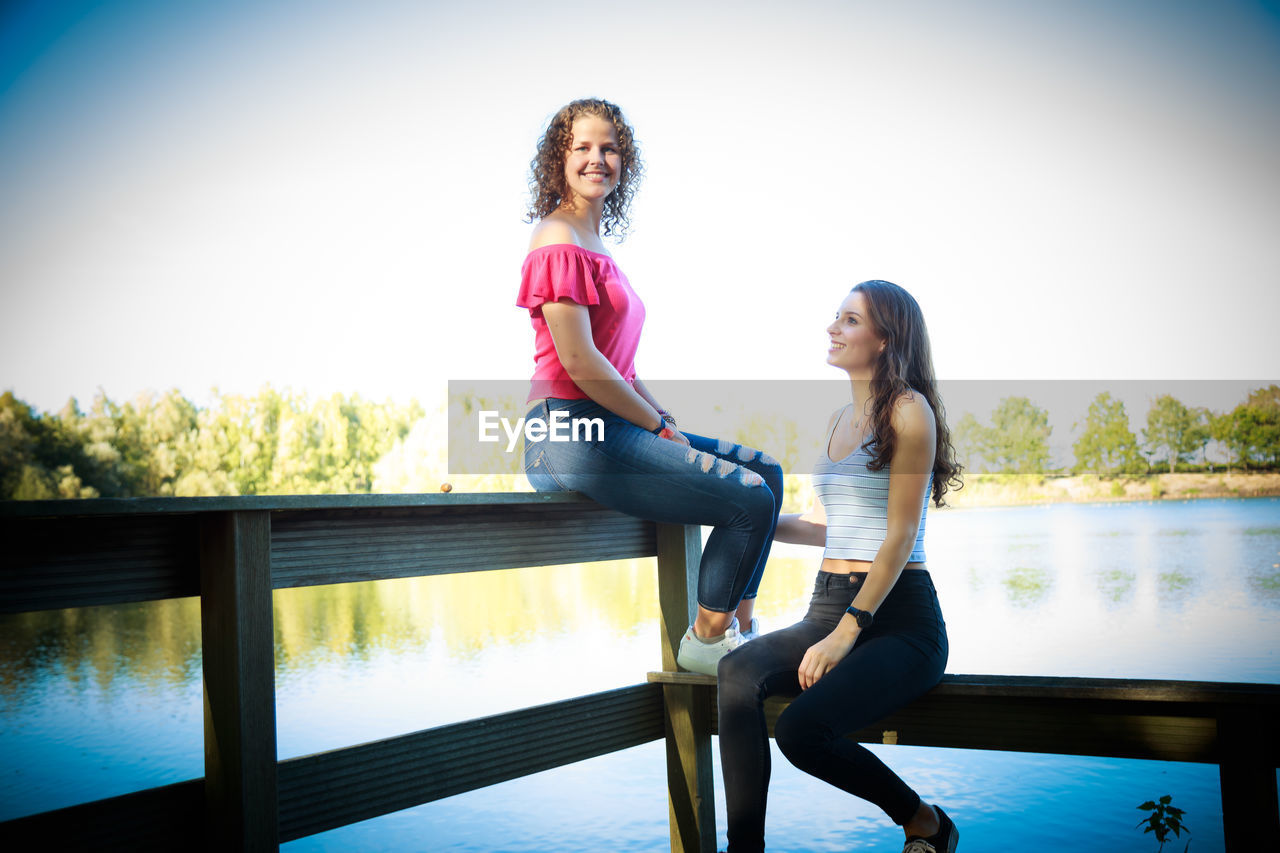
(667, 417)
(664, 431)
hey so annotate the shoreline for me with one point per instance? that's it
(985, 490)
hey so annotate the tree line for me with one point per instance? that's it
(278, 442)
(164, 445)
(1016, 441)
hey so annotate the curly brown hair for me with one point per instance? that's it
(905, 365)
(546, 179)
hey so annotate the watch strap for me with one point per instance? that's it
(863, 617)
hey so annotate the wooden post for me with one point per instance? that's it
(239, 681)
(690, 785)
(1246, 772)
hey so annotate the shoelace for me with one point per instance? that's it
(919, 846)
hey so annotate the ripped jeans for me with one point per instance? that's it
(733, 489)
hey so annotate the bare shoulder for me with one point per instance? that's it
(551, 231)
(913, 416)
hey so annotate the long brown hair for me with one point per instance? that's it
(905, 365)
(546, 179)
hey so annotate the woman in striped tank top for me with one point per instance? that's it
(873, 639)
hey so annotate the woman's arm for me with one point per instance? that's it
(643, 391)
(570, 327)
(909, 470)
(803, 528)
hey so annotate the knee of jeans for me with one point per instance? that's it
(797, 735)
(730, 672)
(738, 684)
(772, 473)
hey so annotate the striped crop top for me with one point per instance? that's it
(856, 501)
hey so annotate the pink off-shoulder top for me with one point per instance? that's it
(563, 271)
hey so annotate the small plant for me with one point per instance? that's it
(1163, 820)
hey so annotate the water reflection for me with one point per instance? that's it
(1027, 585)
(89, 648)
(1116, 585)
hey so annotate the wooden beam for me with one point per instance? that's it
(690, 785)
(157, 819)
(1246, 771)
(51, 563)
(1121, 718)
(332, 789)
(341, 546)
(148, 551)
(239, 681)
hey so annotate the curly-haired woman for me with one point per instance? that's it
(587, 320)
(873, 638)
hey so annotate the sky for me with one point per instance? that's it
(330, 197)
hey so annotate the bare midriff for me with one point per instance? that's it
(843, 567)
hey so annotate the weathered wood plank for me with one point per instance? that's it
(51, 563)
(239, 681)
(1054, 687)
(1120, 718)
(68, 561)
(690, 786)
(157, 819)
(332, 789)
(331, 546)
(679, 554)
(273, 503)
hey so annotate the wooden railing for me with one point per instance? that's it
(232, 552)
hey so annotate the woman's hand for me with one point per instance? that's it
(679, 438)
(823, 655)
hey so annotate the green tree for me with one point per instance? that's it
(970, 440)
(271, 443)
(1173, 430)
(43, 457)
(1107, 446)
(1018, 442)
(1202, 433)
(1253, 429)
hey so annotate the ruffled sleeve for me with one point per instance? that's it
(559, 271)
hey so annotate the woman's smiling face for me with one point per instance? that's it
(855, 345)
(593, 164)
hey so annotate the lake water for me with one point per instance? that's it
(102, 701)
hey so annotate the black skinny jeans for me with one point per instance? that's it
(900, 657)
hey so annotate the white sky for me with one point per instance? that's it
(329, 197)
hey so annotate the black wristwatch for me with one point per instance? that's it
(863, 617)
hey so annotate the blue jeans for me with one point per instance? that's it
(901, 656)
(733, 489)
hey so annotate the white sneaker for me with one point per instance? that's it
(752, 632)
(697, 656)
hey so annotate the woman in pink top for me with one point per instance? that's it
(587, 321)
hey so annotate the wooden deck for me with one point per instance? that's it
(232, 552)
